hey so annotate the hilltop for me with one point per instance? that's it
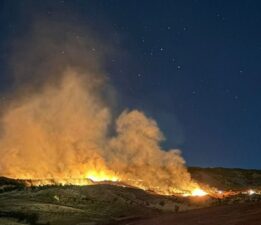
(227, 179)
(113, 204)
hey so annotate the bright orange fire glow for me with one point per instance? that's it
(98, 176)
(47, 142)
(198, 192)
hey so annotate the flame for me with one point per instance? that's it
(57, 128)
(251, 192)
(57, 144)
(57, 181)
(94, 176)
(198, 192)
(98, 176)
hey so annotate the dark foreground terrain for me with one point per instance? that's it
(104, 204)
(241, 214)
(78, 205)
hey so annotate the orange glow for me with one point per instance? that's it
(98, 176)
(57, 144)
(93, 176)
(198, 192)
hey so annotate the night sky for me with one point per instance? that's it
(194, 66)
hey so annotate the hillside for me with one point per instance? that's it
(227, 179)
(70, 205)
(113, 204)
(248, 213)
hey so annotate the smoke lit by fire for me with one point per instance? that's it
(63, 131)
(61, 134)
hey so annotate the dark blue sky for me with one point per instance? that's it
(194, 66)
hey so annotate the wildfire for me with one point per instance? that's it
(92, 177)
(98, 176)
(251, 192)
(198, 192)
(57, 144)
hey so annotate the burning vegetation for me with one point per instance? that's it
(58, 127)
(61, 135)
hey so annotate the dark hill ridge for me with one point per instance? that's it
(227, 179)
(72, 205)
(112, 204)
(221, 178)
(240, 214)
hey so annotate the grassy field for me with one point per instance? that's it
(110, 204)
(98, 204)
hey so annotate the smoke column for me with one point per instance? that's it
(58, 121)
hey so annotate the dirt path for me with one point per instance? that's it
(242, 214)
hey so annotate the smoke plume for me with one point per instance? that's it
(57, 125)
